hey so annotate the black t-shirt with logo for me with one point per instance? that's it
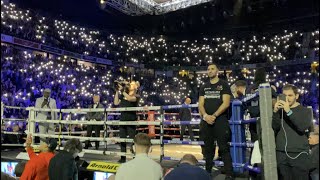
(128, 115)
(213, 96)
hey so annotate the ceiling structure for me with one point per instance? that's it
(185, 18)
(161, 1)
(149, 7)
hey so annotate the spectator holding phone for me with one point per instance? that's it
(290, 122)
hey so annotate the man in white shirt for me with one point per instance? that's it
(141, 167)
(46, 102)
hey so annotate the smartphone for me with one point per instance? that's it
(282, 97)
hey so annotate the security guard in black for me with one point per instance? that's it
(214, 101)
(213, 96)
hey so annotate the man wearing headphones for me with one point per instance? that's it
(290, 122)
(141, 167)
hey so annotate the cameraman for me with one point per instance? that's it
(290, 122)
(128, 98)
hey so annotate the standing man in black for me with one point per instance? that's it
(94, 116)
(290, 122)
(254, 106)
(128, 98)
(214, 101)
(185, 115)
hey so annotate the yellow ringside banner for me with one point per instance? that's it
(103, 166)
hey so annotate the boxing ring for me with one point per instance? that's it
(238, 145)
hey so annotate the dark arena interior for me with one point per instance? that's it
(159, 89)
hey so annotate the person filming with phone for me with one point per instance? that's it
(290, 123)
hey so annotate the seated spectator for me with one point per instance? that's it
(37, 167)
(77, 128)
(15, 138)
(141, 167)
(188, 170)
(18, 170)
(314, 143)
(63, 165)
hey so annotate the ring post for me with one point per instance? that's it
(32, 123)
(267, 135)
(161, 134)
(60, 130)
(2, 111)
(69, 129)
(151, 128)
(238, 136)
(105, 133)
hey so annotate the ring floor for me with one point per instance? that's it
(172, 150)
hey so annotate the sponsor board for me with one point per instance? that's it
(103, 166)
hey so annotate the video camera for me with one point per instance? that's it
(125, 85)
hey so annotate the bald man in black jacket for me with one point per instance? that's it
(185, 115)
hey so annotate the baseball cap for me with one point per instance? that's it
(52, 143)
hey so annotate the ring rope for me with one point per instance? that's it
(113, 139)
(13, 119)
(13, 107)
(162, 122)
(9, 132)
